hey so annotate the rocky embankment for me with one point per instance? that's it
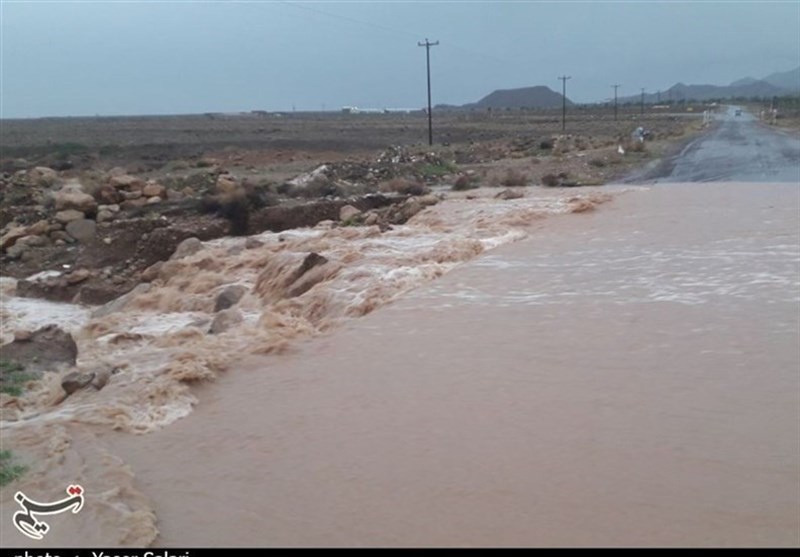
(89, 241)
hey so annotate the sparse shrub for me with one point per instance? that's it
(404, 186)
(259, 194)
(200, 182)
(9, 471)
(550, 180)
(12, 377)
(65, 150)
(546, 144)
(599, 163)
(514, 178)
(437, 170)
(107, 150)
(636, 147)
(464, 182)
(233, 207)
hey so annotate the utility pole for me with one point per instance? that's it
(642, 111)
(615, 86)
(427, 44)
(564, 79)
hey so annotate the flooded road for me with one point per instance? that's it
(549, 370)
(739, 148)
(627, 377)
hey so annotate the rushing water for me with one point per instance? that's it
(161, 350)
(627, 376)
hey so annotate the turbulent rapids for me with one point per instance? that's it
(156, 342)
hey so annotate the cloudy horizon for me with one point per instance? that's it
(173, 57)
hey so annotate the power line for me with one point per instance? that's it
(393, 30)
(427, 44)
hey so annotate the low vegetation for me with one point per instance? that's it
(8, 470)
(13, 377)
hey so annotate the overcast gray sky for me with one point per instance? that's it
(84, 58)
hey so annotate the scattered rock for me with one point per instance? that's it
(151, 273)
(348, 212)
(38, 228)
(118, 304)
(116, 171)
(108, 194)
(226, 184)
(75, 381)
(71, 197)
(153, 200)
(83, 230)
(224, 320)
(187, 247)
(46, 349)
(253, 243)
(42, 176)
(61, 236)
(69, 215)
(10, 238)
(33, 241)
(104, 216)
(428, 200)
(152, 189)
(77, 276)
(507, 194)
(102, 376)
(126, 181)
(23, 335)
(130, 195)
(134, 203)
(229, 297)
(16, 251)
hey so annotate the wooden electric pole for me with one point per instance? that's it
(427, 44)
(615, 86)
(564, 79)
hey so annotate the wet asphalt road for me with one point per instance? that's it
(737, 149)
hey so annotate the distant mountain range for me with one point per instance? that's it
(776, 84)
(540, 96)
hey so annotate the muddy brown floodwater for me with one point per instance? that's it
(627, 378)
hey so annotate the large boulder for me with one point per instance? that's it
(45, 349)
(118, 304)
(72, 196)
(348, 212)
(42, 176)
(229, 296)
(75, 381)
(224, 320)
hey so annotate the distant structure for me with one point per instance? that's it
(357, 110)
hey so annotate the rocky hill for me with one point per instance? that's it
(539, 96)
